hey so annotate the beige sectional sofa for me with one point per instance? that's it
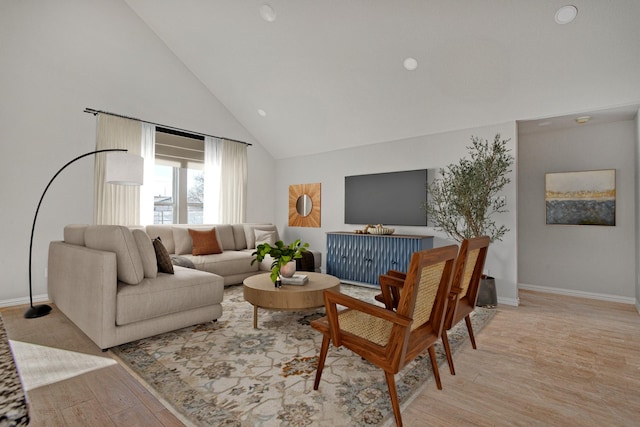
(105, 278)
(237, 241)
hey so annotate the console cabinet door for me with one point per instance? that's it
(361, 258)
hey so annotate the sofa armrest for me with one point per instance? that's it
(317, 260)
(82, 283)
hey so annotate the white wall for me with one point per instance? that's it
(590, 261)
(58, 58)
(431, 151)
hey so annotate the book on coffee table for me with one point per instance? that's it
(296, 279)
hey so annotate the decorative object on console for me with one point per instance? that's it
(304, 205)
(121, 169)
(377, 229)
(282, 254)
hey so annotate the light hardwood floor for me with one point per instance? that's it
(554, 360)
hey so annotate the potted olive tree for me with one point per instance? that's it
(463, 200)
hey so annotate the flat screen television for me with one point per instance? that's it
(392, 198)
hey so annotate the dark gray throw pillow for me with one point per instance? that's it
(182, 261)
(164, 260)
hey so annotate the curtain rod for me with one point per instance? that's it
(95, 112)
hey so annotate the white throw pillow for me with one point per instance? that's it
(250, 234)
(264, 236)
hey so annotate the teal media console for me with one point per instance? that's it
(361, 258)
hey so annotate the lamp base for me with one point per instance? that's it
(37, 311)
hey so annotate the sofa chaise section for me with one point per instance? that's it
(107, 293)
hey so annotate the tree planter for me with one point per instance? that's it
(487, 296)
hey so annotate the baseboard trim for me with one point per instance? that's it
(509, 301)
(580, 294)
(23, 301)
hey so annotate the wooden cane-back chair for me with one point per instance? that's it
(464, 289)
(390, 339)
(390, 285)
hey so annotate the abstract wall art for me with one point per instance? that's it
(581, 198)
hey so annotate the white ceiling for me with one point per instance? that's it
(329, 74)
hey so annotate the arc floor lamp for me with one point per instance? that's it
(121, 168)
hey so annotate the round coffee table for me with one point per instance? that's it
(260, 292)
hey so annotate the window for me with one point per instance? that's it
(179, 178)
(164, 207)
(195, 195)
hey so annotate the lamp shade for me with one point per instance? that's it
(124, 169)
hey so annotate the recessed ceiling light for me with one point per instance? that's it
(545, 123)
(410, 63)
(566, 14)
(262, 113)
(267, 13)
(582, 119)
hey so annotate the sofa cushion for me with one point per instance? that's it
(226, 237)
(163, 258)
(263, 236)
(118, 239)
(204, 242)
(165, 232)
(167, 294)
(147, 253)
(182, 240)
(74, 234)
(227, 263)
(250, 234)
(239, 237)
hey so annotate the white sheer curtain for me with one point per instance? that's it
(148, 149)
(115, 204)
(212, 161)
(233, 183)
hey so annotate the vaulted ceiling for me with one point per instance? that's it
(323, 75)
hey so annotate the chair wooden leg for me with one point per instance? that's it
(434, 366)
(321, 358)
(391, 383)
(447, 351)
(467, 320)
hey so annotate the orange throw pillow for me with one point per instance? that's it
(205, 242)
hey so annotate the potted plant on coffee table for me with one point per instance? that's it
(282, 255)
(465, 197)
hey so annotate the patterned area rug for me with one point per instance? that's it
(13, 403)
(226, 373)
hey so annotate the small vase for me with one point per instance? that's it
(288, 270)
